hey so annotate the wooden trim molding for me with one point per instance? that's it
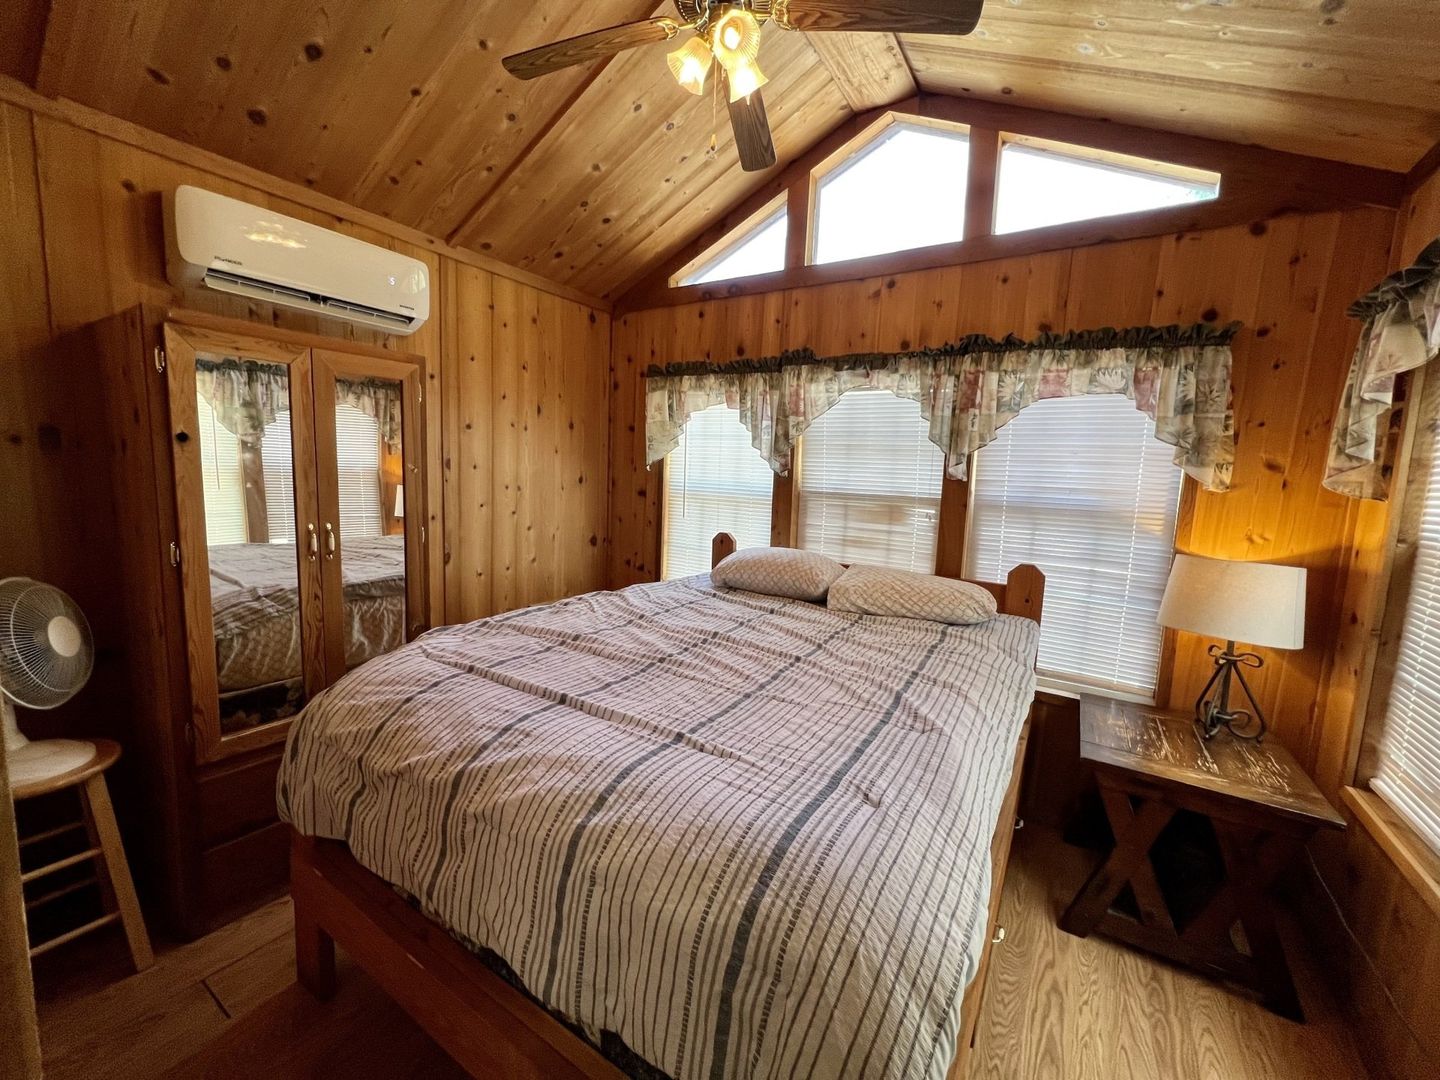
(1257, 184)
(123, 131)
(1417, 863)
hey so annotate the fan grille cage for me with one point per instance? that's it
(46, 651)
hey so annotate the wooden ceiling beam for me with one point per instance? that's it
(1257, 184)
(870, 69)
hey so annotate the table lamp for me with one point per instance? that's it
(1256, 603)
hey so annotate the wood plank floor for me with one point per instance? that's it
(1058, 1008)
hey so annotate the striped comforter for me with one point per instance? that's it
(746, 836)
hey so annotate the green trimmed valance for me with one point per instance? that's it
(1401, 333)
(969, 389)
(247, 395)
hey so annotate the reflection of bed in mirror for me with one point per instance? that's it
(256, 609)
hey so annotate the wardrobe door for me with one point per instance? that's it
(372, 502)
(241, 414)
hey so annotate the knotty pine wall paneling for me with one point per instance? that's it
(525, 391)
(1288, 280)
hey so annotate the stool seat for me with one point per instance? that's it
(107, 752)
(112, 871)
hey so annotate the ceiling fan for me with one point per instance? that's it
(729, 31)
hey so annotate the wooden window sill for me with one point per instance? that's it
(1415, 860)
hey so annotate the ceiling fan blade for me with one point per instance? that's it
(752, 133)
(595, 45)
(954, 17)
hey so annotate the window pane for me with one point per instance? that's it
(1040, 187)
(1082, 488)
(870, 483)
(715, 481)
(905, 190)
(1408, 772)
(762, 252)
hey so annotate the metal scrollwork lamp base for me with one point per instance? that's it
(1213, 709)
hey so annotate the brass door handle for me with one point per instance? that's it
(314, 541)
(329, 540)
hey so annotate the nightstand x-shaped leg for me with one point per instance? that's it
(1128, 864)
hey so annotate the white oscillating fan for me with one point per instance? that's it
(45, 657)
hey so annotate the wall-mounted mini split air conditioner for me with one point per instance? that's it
(221, 243)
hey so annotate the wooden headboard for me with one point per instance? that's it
(1023, 592)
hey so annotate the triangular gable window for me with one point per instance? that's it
(1048, 183)
(903, 189)
(756, 247)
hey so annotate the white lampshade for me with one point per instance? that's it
(399, 500)
(1248, 602)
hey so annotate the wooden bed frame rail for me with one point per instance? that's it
(487, 1025)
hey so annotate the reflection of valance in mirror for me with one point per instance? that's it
(245, 394)
(1401, 333)
(968, 390)
(378, 399)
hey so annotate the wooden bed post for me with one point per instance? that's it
(314, 948)
(1024, 592)
(722, 546)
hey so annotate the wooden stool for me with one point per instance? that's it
(112, 872)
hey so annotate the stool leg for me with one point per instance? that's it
(117, 870)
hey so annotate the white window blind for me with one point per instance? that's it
(1408, 770)
(870, 483)
(279, 469)
(224, 484)
(357, 449)
(715, 481)
(1081, 488)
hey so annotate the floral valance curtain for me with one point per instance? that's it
(378, 399)
(247, 395)
(1401, 333)
(968, 390)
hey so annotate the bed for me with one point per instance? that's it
(672, 831)
(255, 605)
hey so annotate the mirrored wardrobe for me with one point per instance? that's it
(268, 488)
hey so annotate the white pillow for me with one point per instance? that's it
(870, 590)
(789, 572)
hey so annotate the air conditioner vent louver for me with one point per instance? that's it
(226, 281)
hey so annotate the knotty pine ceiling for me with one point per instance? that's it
(594, 175)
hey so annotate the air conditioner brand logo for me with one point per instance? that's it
(232, 262)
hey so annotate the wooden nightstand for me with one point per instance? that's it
(1244, 808)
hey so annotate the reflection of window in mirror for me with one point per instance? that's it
(358, 454)
(224, 485)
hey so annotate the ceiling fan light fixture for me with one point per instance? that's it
(690, 64)
(745, 78)
(735, 37)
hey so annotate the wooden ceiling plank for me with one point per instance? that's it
(870, 69)
(629, 178)
(1388, 137)
(807, 110)
(461, 139)
(1211, 43)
